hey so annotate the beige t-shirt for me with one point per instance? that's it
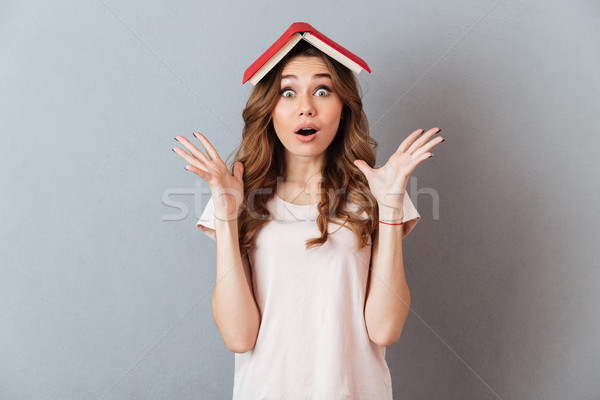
(312, 342)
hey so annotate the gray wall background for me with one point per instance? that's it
(106, 283)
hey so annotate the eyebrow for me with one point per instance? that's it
(315, 76)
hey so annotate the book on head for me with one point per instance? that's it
(296, 32)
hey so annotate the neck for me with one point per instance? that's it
(304, 173)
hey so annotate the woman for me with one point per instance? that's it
(310, 279)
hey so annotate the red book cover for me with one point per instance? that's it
(290, 33)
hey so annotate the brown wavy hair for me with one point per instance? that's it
(262, 154)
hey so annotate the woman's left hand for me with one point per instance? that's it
(388, 183)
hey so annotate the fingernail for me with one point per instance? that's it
(430, 156)
(176, 138)
(443, 140)
(439, 131)
(174, 151)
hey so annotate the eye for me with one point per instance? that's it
(323, 89)
(285, 90)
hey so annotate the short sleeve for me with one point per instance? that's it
(206, 223)
(411, 215)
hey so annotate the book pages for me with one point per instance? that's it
(336, 55)
(262, 71)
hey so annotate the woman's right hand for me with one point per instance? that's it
(227, 190)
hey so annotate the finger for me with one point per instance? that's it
(425, 137)
(411, 138)
(192, 149)
(363, 166)
(419, 160)
(428, 146)
(209, 147)
(422, 139)
(190, 159)
(238, 170)
(202, 174)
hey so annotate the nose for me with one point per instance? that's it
(306, 107)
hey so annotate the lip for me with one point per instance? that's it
(308, 138)
(312, 126)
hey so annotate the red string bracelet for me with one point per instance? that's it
(387, 223)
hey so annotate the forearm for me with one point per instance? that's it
(388, 297)
(234, 307)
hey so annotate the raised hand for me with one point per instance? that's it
(227, 190)
(388, 183)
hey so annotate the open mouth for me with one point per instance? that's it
(306, 131)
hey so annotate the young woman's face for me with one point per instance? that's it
(306, 98)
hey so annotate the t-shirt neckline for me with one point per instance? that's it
(295, 205)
